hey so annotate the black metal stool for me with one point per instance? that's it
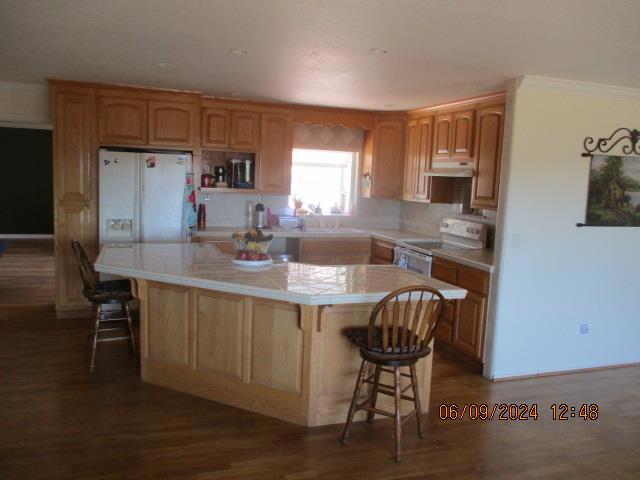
(396, 342)
(112, 292)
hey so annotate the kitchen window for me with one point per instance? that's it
(323, 180)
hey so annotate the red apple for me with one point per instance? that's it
(242, 255)
(253, 255)
(263, 256)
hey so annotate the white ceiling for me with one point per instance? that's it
(318, 51)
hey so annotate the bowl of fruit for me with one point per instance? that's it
(251, 248)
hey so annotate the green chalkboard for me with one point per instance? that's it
(26, 181)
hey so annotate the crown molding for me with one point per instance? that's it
(558, 84)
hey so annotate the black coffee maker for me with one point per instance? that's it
(220, 176)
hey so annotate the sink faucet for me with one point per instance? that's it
(302, 224)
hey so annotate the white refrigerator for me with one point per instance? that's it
(142, 196)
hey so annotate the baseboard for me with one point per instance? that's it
(565, 372)
(25, 236)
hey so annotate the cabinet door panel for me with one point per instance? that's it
(409, 190)
(486, 181)
(444, 270)
(215, 128)
(387, 158)
(462, 135)
(276, 346)
(442, 136)
(171, 123)
(122, 121)
(468, 328)
(244, 130)
(275, 154)
(425, 127)
(382, 250)
(168, 323)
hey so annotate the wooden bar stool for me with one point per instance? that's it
(112, 292)
(398, 336)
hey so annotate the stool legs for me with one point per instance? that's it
(416, 399)
(94, 339)
(132, 338)
(97, 329)
(374, 393)
(398, 417)
(396, 391)
(352, 407)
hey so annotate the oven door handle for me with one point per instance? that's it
(410, 253)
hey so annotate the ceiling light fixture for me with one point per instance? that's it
(239, 51)
(379, 51)
(163, 65)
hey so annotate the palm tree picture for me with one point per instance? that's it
(614, 191)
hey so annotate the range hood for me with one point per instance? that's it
(451, 169)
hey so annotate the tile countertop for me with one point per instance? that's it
(202, 265)
(480, 259)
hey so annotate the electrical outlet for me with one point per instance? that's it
(584, 329)
(515, 240)
(207, 197)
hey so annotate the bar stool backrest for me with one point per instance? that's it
(407, 319)
(87, 272)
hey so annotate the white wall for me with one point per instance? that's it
(25, 105)
(562, 276)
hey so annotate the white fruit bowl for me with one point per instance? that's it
(252, 263)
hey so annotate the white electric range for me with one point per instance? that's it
(416, 255)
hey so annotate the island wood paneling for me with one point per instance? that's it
(276, 346)
(218, 326)
(279, 359)
(168, 324)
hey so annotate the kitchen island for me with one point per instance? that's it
(267, 340)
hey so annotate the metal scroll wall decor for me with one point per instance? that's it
(614, 180)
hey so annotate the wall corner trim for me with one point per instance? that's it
(558, 84)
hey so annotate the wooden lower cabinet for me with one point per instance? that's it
(464, 325)
(382, 252)
(468, 327)
(326, 251)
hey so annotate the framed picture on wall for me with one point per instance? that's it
(614, 191)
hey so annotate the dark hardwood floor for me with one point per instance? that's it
(57, 421)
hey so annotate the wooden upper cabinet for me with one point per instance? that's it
(388, 140)
(245, 129)
(122, 121)
(215, 128)
(172, 123)
(411, 161)
(462, 135)
(276, 148)
(442, 129)
(425, 134)
(488, 144)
